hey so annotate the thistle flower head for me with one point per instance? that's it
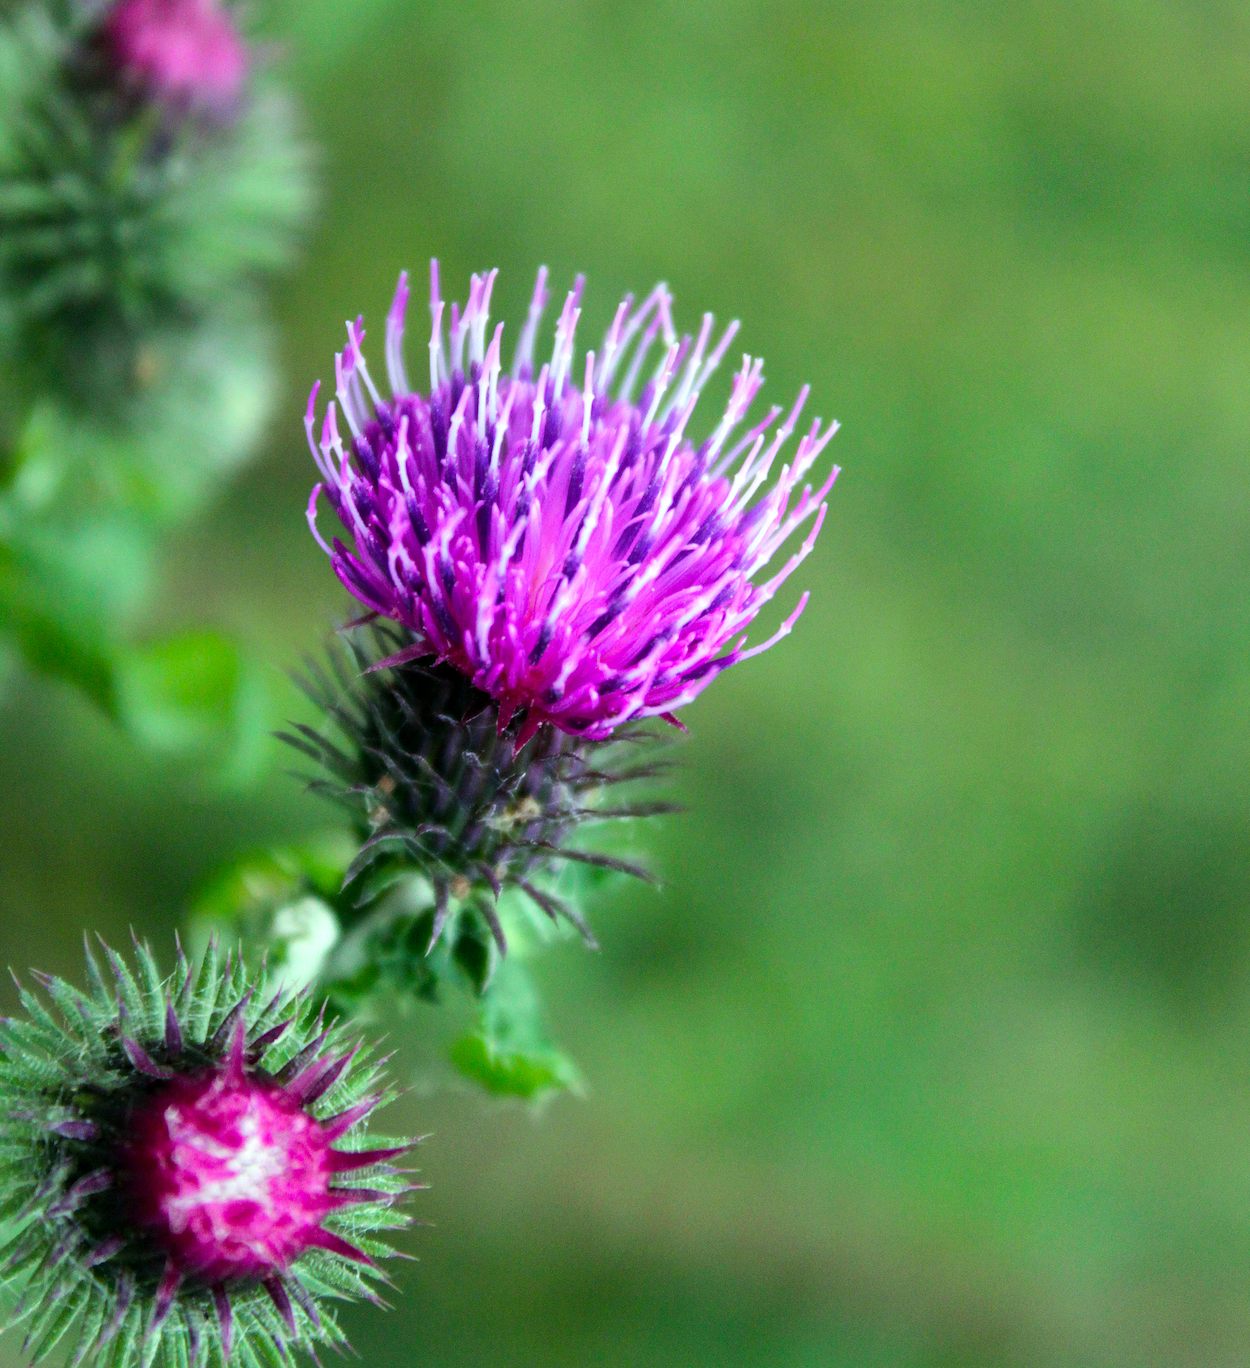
(560, 540)
(416, 754)
(182, 1168)
(185, 53)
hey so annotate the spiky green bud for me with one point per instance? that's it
(184, 1168)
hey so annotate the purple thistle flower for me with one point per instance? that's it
(566, 547)
(186, 53)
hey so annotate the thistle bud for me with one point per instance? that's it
(186, 53)
(149, 169)
(185, 1169)
(439, 779)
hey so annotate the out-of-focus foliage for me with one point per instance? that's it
(137, 367)
(933, 1048)
(118, 217)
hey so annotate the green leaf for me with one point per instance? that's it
(196, 695)
(55, 639)
(508, 1053)
(531, 1075)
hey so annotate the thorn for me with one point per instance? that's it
(262, 1042)
(74, 1130)
(342, 1197)
(235, 1060)
(225, 1319)
(173, 1031)
(339, 1125)
(345, 1161)
(142, 1061)
(442, 909)
(99, 1181)
(195, 1335)
(165, 1293)
(125, 1293)
(222, 1033)
(305, 1299)
(281, 1302)
(298, 1062)
(333, 1244)
(105, 1251)
(319, 1077)
(496, 926)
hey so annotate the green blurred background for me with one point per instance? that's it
(934, 1049)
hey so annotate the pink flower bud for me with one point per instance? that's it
(230, 1176)
(186, 53)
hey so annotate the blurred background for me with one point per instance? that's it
(934, 1047)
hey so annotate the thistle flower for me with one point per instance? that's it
(433, 782)
(185, 53)
(567, 548)
(183, 1167)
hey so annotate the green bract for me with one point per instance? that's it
(437, 787)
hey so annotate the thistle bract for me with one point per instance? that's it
(564, 545)
(186, 53)
(434, 782)
(184, 1168)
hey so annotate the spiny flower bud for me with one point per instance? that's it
(184, 1167)
(436, 780)
(148, 170)
(566, 547)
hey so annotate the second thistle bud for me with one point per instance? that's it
(187, 1168)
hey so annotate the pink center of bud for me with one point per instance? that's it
(185, 51)
(229, 1175)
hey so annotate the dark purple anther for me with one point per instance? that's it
(367, 457)
(416, 520)
(576, 475)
